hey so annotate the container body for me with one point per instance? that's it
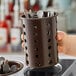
(40, 41)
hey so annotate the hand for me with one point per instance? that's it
(61, 39)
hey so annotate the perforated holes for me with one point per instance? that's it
(37, 56)
(35, 26)
(49, 27)
(23, 16)
(36, 49)
(35, 41)
(50, 62)
(49, 40)
(27, 62)
(26, 55)
(24, 25)
(26, 47)
(49, 47)
(49, 55)
(24, 33)
(35, 34)
(49, 33)
(25, 40)
(37, 64)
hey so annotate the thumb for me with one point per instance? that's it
(62, 41)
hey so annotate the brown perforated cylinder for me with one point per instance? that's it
(40, 41)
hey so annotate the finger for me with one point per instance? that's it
(22, 44)
(60, 35)
(60, 49)
(60, 38)
(22, 36)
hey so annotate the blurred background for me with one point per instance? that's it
(11, 26)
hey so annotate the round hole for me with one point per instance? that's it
(27, 62)
(49, 33)
(23, 25)
(49, 47)
(25, 40)
(49, 55)
(26, 55)
(23, 16)
(35, 34)
(35, 41)
(49, 40)
(36, 49)
(37, 64)
(35, 26)
(26, 47)
(50, 62)
(24, 33)
(37, 56)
